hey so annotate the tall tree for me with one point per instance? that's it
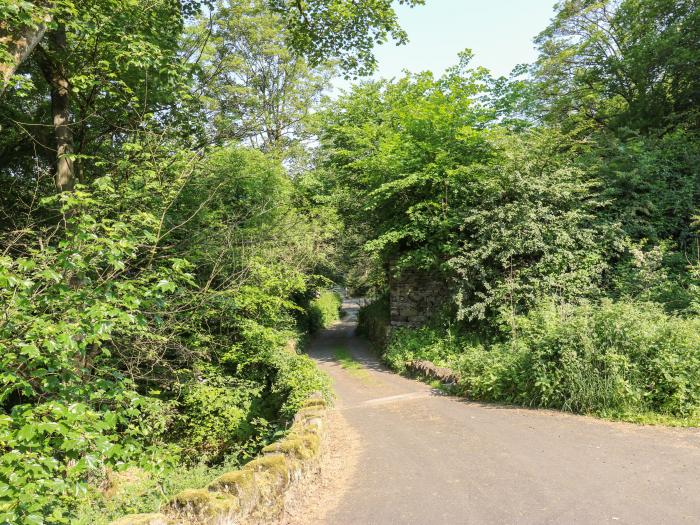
(22, 26)
(394, 149)
(98, 69)
(52, 66)
(622, 63)
(106, 64)
(254, 86)
(342, 29)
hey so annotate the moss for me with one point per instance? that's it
(143, 519)
(308, 413)
(308, 423)
(192, 498)
(204, 503)
(273, 473)
(302, 446)
(314, 425)
(275, 447)
(240, 483)
(310, 438)
(224, 504)
(232, 482)
(275, 464)
(312, 441)
(316, 402)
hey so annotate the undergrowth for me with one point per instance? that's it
(622, 361)
(324, 310)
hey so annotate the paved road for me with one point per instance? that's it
(431, 459)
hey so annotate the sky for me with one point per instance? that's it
(499, 32)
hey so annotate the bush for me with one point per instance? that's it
(324, 310)
(430, 344)
(374, 320)
(215, 414)
(617, 356)
(619, 359)
(120, 352)
(297, 378)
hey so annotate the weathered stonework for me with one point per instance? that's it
(414, 297)
(428, 370)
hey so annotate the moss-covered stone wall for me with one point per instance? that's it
(255, 493)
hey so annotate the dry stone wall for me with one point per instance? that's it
(256, 493)
(414, 297)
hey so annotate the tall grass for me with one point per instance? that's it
(619, 359)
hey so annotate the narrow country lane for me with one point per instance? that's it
(424, 458)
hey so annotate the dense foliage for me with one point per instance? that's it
(617, 359)
(559, 206)
(373, 320)
(177, 199)
(160, 250)
(324, 310)
(156, 338)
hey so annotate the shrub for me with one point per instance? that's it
(373, 321)
(406, 344)
(621, 358)
(120, 351)
(215, 413)
(297, 378)
(324, 310)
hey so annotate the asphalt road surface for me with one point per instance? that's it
(426, 458)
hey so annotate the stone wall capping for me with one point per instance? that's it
(431, 371)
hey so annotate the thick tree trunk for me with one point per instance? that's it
(60, 109)
(65, 170)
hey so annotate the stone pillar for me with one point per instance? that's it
(414, 297)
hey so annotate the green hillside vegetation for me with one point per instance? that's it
(179, 196)
(159, 249)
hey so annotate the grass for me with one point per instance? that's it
(436, 384)
(651, 418)
(639, 418)
(149, 494)
(353, 367)
(619, 361)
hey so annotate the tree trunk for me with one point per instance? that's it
(20, 44)
(65, 170)
(60, 110)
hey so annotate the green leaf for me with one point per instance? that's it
(27, 432)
